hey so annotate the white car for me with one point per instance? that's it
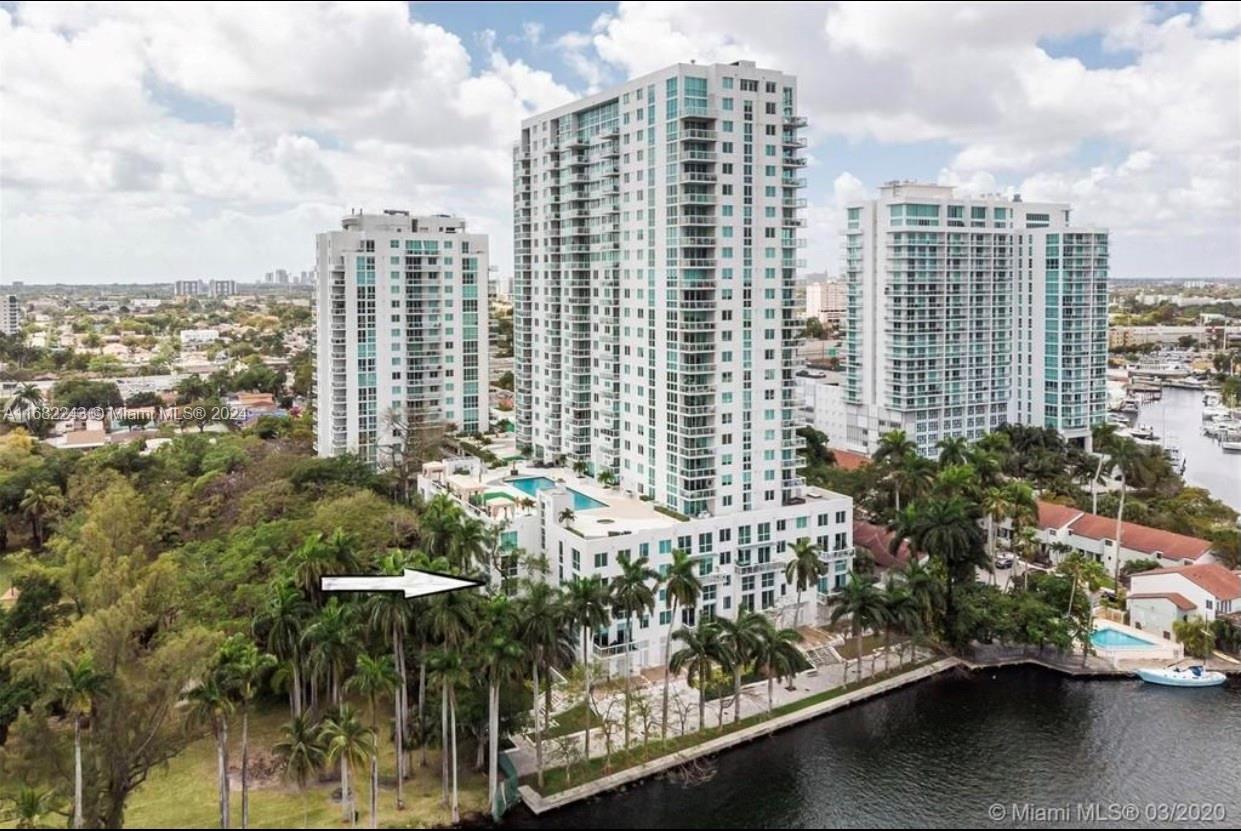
(1004, 561)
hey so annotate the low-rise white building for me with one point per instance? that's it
(192, 339)
(823, 403)
(1063, 528)
(741, 557)
(1161, 597)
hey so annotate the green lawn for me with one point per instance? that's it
(184, 794)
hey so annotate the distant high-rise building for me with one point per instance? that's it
(826, 300)
(401, 328)
(187, 288)
(10, 314)
(965, 313)
(221, 288)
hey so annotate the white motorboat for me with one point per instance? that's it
(1231, 443)
(1215, 411)
(1143, 432)
(1194, 676)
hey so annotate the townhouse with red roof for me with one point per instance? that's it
(1063, 525)
(1160, 597)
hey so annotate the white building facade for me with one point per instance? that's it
(10, 314)
(965, 313)
(401, 330)
(828, 301)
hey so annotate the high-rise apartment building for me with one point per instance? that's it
(966, 313)
(401, 330)
(187, 288)
(656, 229)
(10, 314)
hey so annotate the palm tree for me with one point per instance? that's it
(1195, 634)
(25, 398)
(776, 652)
(953, 450)
(76, 694)
(245, 666)
(372, 678)
(997, 507)
(864, 605)
(607, 478)
(282, 622)
(742, 638)
(926, 591)
(948, 531)
(331, 641)
(301, 748)
(317, 558)
(350, 743)
(450, 618)
(438, 524)
(30, 806)
(633, 593)
(501, 657)
(210, 705)
(893, 452)
(682, 588)
(1102, 437)
(1127, 459)
(542, 632)
(469, 545)
(389, 618)
(588, 606)
(901, 613)
(702, 647)
(37, 504)
(566, 516)
(451, 673)
(804, 570)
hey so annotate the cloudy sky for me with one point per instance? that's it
(152, 141)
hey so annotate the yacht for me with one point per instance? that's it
(1143, 432)
(1231, 442)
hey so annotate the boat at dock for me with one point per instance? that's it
(1231, 443)
(1193, 676)
(1143, 432)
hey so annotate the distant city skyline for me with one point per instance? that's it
(160, 143)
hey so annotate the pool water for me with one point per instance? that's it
(1116, 639)
(531, 485)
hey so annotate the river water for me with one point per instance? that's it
(943, 753)
(1177, 419)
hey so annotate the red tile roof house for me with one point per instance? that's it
(1096, 535)
(878, 541)
(1162, 596)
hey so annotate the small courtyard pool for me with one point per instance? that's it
(531, 485)
(1116, 639)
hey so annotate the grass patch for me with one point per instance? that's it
(558, 779)
(183, 793)
(572, 720)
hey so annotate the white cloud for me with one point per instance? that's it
(148, 133)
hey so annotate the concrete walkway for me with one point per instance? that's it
(807, 684)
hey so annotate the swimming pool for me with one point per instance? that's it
(531, 485)
(1116, 639)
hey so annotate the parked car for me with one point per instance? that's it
(1004, 561)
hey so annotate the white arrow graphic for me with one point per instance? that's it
(413, 583)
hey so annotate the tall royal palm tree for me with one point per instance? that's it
(389, 617)
(1128, 460)
(211, 706)
(775, 651)
(317, 558)
(682, 588)
(281, 625)
(373, 677)
(997, 507)
(588, 605)
(1102, 437)
(351, 743)
(633, 593)
(543, 633)
(331, 641)
(451, 673)
(501, 656)
(701, 652)
(450, 618)
(38, 503)
(901, 613)
(862, 602)
(302, 750)
(742, 639)
(438, 524)
(469, 549)
(76, 692)
(804, 570)
(926, 591)
(245, 667)
(893, 453)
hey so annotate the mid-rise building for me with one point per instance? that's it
(10, 314)
(221, 288)
(401, 330)
(965, 313)
(827, 300)
(187, 288)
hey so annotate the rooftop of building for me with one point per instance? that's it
(1210, 577)
(1167, 544)
(397, 221)
(598, 511)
